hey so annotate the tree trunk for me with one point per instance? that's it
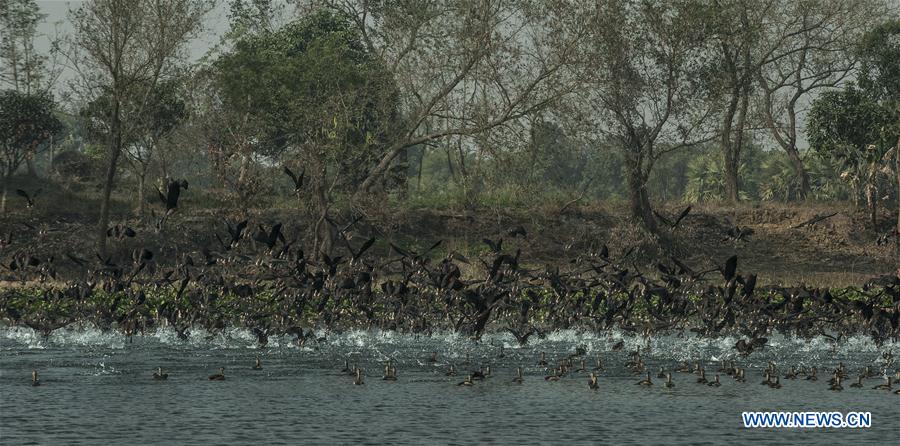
(5, 194)
(638, 198)
(800, 170)
(115, 149)
(140, 194)
(727, 149)
(29, 164)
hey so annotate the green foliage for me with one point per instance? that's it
(27, 122)
(311, 90)
(848, 126)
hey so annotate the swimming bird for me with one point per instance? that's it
(836, 385)
(662, 373)
(554, 375)
(518, 379)
(34, 379)
(346, 368)
(645, 382)
(702, 378)
(543, 360)
(776, 384)
(715, 382)
(885, 386)
(669, 384)
(792, 374)
(592, 383)
(359, 380)
(451, 371)
(159, 375)
(390, 373)
(768, 379)
(858, 384)
(218, 376)
(258, 365)
(812, 376)
(467, 381)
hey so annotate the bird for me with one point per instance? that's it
(297, 180)
(390, 373)
(592, 383)
(702, 378)
(669, 384)
(34, 379)
(836, 385)
(432, 358)
(358, 381)
(858, 384)
(812, 376)
(680, 217)
(518, 379)
(218, 376)
(886, 385)
(159, 375)
(775, 384)
(715, 382)
(258, 365)
(450, 371)
(645, 382)
(173, 192)
(517, 231)
(543, 360)
(29, 198)
(467, 381)
(661, 374)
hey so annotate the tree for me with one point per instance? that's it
(26, 124)
(465, 67)
(120, 49)
(879, 53)
(22, 68)
(643, 89)
(817, 54)
(162, 113)
(848, 126)
(315, 94)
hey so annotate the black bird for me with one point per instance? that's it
(271, 237)
(495, 246)
(680, 217)
(730, 268)
(517, 231)
(29, 199)
(297, 180)
(235, 232)
(119, 232)
(173, 191)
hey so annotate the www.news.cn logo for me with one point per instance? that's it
(853, 420)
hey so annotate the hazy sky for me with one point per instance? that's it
(57, 23)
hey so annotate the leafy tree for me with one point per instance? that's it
(848, 126)
(313, 93)
(156, 112)
(27, 122)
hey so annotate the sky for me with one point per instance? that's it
(57, 24)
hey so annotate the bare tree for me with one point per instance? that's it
(818, 54)
(643, 88)
(464, 67)
(118, 46)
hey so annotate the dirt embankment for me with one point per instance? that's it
(837, 251)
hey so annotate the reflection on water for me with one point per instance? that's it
(97, 389)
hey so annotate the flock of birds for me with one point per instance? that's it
(574, 365)
(260, 277)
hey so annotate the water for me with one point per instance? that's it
(97, 389)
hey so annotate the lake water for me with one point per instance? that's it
(97, 389)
